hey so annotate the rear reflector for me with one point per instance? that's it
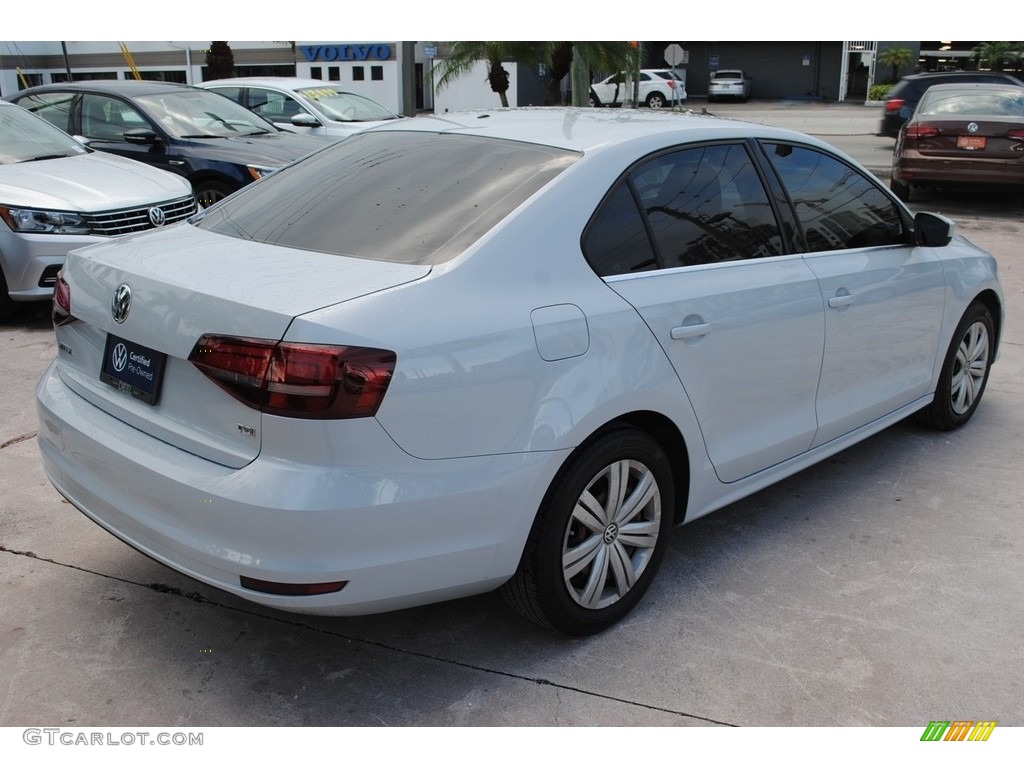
(280, 588)
(303, 381)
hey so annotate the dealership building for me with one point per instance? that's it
(399, 74)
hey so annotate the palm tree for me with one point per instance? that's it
(556, 56)
(994, 54)
(595, 55)
(896, 58)
(463, 56)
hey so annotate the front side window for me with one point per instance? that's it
(273, 105)
(837, 206)
(107, 118)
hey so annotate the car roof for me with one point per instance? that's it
(990, 86)
(117, 87)
(583, 130)
(291, 83)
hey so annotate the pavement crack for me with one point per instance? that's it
(199, 598)
(18, 439)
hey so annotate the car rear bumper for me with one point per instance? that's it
(914, 168)
(400, 531)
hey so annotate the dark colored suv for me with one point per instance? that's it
(902, 99)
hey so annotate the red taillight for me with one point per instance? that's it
(60, 311)
(304, 381)
(893, 105)
(918, 131)
(1016, 134)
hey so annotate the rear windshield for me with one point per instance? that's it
(728, 74)
(973, 101)
(408, 197)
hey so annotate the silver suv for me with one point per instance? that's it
(56, 194)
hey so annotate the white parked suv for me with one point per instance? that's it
(729, 84)
(56, 194)
(658, 88)
(317, 107)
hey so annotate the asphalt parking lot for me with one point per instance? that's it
(883, 587)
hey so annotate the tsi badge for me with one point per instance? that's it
(122, 303)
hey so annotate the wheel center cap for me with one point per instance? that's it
(611, 533)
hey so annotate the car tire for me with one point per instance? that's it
(209, 192)
(656, 100)
(594, 101)
(612, 506)
(964, 371)
(901, 190)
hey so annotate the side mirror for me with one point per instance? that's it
(305, 120)
(81, 140)
(140, 136)
(933, 230)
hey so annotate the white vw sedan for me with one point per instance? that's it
(500, 349)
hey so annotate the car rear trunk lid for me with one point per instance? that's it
(184, 283)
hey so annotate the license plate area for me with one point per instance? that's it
(970, 142)
(133, 369)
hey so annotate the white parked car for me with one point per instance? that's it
(316, 107)
(657, 88)
(506, 349)
(729, 84)
(56, 194)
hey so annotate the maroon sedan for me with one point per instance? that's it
(970, 133)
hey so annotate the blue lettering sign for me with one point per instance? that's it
(346, 52)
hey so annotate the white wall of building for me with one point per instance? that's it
(472, 90)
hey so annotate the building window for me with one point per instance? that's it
(358, 73)
(334, 73)
(377, 73)
(317, 73)
(167, 76)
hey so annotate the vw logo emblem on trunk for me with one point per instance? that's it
(120, 357)
(157, 216)
(121, 304)
(972, 127)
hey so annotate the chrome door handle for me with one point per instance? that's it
(838, 302)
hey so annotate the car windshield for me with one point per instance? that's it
(1008, 103)
(203, 114)
(347, 107)
(408, 197)
(25, 137)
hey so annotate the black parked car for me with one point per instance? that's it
(903, 98)
(218, 145)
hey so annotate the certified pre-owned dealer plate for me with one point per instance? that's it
(133, 368)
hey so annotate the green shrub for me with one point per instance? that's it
(879, 92)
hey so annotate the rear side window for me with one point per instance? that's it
(408, 197)
(837, 206)
(54, 107)
(698, 205)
